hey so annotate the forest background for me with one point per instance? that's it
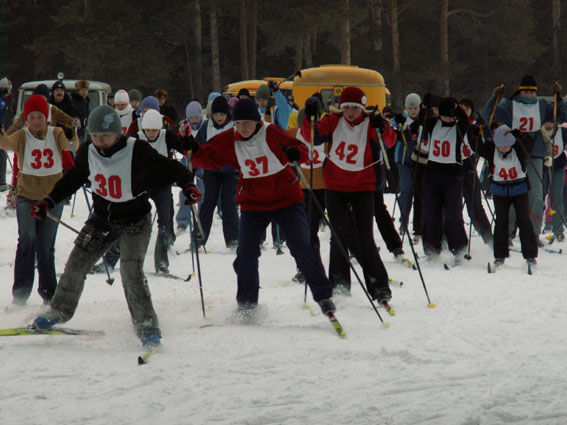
(460, 47)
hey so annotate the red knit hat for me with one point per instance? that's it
(35, 103)
(353, 96)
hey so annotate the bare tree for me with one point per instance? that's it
(556, 24)
(215, 56)
(243, 42)
(308, 51)
(253, 37)
(345, 34)
(376, 8)
(298, 60)
(196, 47)
(396, 69)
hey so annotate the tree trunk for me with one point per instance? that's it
(345, 34)
(196, 48)
(253, 7)
(307, 52)
(556, 14)
(396, 77)
(299, 53)
(444, 36)
(189, 73)
(243, 42)
(376, 9)
(215, 57)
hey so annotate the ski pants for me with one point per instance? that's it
(94, 239)
(406, 192)
(555, 191)
(385, 223)
(162, 199)
(293, 222)
(313, 213)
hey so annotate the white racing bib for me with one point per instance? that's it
(125, 121)
(212, 131)
(318, 153)
(526, 117)
(466, 150)
(41, 157)
(558, 144)
(159, 144)
(349, 145)
(443, 148)
(111, 178)
(255, 157)
(506, 169)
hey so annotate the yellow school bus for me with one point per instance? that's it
(232, 89)
(330, 80)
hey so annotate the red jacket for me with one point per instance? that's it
(268, 193)
(342, 180)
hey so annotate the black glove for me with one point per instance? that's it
(556, 88)
(498, 92)
(517, 133)
(312, 107)
(192, 194)
(292, 154)
(273, 85)
(376, 121)
(191, 145)
(400, 119)
(39, 209)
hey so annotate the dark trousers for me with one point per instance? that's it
(162, 199)
(35, 238)
(223, 184)
(366, 253)
(385, 223)
(527, 235)
(443, 194)
(473, 201)
(293, 222)
(418, 175)
(313, 213)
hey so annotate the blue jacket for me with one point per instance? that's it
(3, 113)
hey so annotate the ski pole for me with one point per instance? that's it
(404, 223)
(339, 244)
(199, 227)
(195, 217)
(61, 222)
(310, 201)
(73, 206)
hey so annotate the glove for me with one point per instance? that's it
(400, 119)
(311, 107)
(273, 85)
(517, 133)
(556, 88)
(192, 194)
(498, 92)
(292, 154)
(191, 144)
(376, 121)
(39, 209)
(548, 161)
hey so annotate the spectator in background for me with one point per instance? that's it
(164, 107)
(110, 99)
(5, 90)
(124, 109)
(135, 98)
(81, 102)
(61, 99)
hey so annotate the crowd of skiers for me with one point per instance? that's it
(266, 160)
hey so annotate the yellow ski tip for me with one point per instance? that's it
(207, 321)
(387, 325)
(431, 305)
(552, 211)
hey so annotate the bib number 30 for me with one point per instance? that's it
(111, 186)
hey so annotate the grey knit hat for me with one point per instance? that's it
(134, 94)
(104, 120)
(413, 100)
(263, 92)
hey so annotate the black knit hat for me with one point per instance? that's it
(58, 85)
(528, 83)
(243, 92)
(447, 107)
(246, 110)
(220, 105)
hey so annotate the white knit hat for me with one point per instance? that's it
(152, 119)
(121, 96)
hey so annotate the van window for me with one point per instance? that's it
(93, 96)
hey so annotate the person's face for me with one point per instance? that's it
(528, 94)
(36, 121)
(135, 104)
(467, 110)
(413, 112)
(262, 103)
(219, 117)
(435, 111)
(161, 99)
(58, 95)
(120, 106)
(194, 120)
(84, 93)
(547, 126)
(104, 141)
(110, 101)
(245, 128)
(351, 112)
(447, 120)
(152, 133)
(504, 149)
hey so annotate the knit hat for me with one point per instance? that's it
(160, 93)
(447, 107)
(36, 102)
(243, 92)
(353, 96)
(104, 120)
(412, 101)
(246, 110)
(220, 105)
(212, 96)
(193, 109)
(135, 94)
(58, 85)
(42, 90)
(5, 83)
(121, 97)
(152, 119)
(232, 101)
(503, 136)
(263, 92)
(528, 83)
(149, 102)
(82, 84)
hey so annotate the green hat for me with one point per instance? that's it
(104, 120)
(263, 92)
(134, 94)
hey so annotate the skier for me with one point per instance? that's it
(121, 171)
(350, 175)
(43, 153)
(124, 109)
(268, 189)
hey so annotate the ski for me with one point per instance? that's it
(406, 261)
(530, 268)
(391, 311)
(491, 268)
(149, 351)
(336, 325)
(169, 276)
(53, 331)
(396, 283)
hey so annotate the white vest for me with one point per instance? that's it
(125, 121)
(443, 144)
(466, 150)
(318, 153)
(526, 117)
(349, 145)
(212, 131)
(158, 144)
(41, 157)
(255, 157)
(558, 144)
(506, 169)
(111, 178)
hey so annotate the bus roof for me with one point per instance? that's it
(339, 75)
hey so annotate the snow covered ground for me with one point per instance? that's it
(493, 351)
